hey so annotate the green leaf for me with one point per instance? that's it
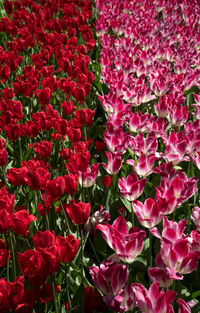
(77, 303)
(195, 294)
(127, 204)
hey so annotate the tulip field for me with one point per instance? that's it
(99, 156)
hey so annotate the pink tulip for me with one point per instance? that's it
(196, 159)
(196, 217)
(178, 251)
(150, 213)
(172, 231)
(184, 307)
(153, 300)
(179, 115)
(87, 178)
(158, 126)
(110, 277)
(162, 107)
(114, 163)
(144, 164)
(175, 148)
(97, 217)
(163, 274)
(126, 243)
(128, 302)
(179, 256)
(176, 190)
(139, 121)
(146, 145)
(131, 188)
(116, 140)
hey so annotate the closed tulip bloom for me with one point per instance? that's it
(33, 266)
(43, 239)
(36, 179)
(16, 176)
(44, 95)
(20, 220)
(55, 187)
(67, 247)
(4, 221)
(44, 149)
(87, 178)
(79, 212)
(114, 163)
(71, 183)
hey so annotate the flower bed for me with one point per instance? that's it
(84, 229)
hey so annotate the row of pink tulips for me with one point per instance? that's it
(150, 63)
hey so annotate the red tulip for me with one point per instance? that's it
(20, 220)
(44, 149)
(67, 247)
(33, 265)
(79, 212)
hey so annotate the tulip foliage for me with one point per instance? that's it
(99, 156)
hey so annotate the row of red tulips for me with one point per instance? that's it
(45, 147)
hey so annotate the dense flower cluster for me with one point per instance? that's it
(44, 147)
(150, 62)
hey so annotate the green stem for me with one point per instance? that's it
(27, 198)
(150, 249)
(13, 254)
(67, 289)
(14, 155)
(88, 194)
(20, 151)
(65, 216)
(79, 250)
(85, 132)
(82, 189)
(113, 187)
(81, 231)
(7, 263)
(54, 295)
(27, 242)
(197, 274)
(94, 250)
(4, 175)
(174, 285)
(132, 216)
(47, 221)
(35, 200)
(189, 216)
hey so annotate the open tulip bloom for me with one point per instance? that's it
(127, 244)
